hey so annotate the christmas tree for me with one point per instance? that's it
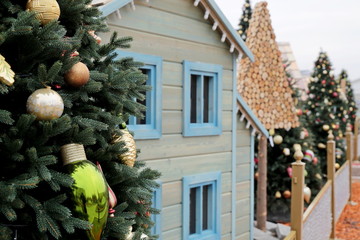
(325, 108)
(245, 19)
(61, 87)
(350, 98)
(281, 156)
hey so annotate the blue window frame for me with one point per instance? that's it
(156, 218)
(202, 99)
(202, 206)
(150, 126)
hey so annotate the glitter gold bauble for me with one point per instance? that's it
(78, 75)
(6, 74)
(45, 104)
(129, 156)
(277, 194)
(46, 10)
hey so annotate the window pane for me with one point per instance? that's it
(192, 229)
(206, 98)
(144, 102)
(193, 98)
(205, 205)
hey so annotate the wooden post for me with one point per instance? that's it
(349, 151)
(330, 151)
(297, 193)
(261, 196)
(356, 139)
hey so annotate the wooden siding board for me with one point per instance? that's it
(243, 207)
(172, 216)
(243, 172)
(171, 193)
(171, 146)
(243, 155)
(151, 44)
(226, 121)
(227, 100)
(226, 237)
(242, 190)
(183, 8)
(242, 225)
(174, 169)
(245, 236)
(173, 234)
(225, 224)
(172, 74)
(227, 80)
(226, 182)
(172, 98)
(163, 23)
(226, 203)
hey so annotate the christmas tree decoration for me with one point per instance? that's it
(337, 166)
(321, 146)
(299, 111)
(6, 74)
(325, 127)
(318, 176)
(89, 192)
(306, 173)
(315, 160)
(297, 147)
(309, 155)
(129, 156)
(287, 194)
(45, 104)
(307, 194)
(289, 171)
(278, 194)
(256, 176)
(46, 10)
(245, 19)
(96, 37)
(286, 151)
(278, 139)
(112, 196)
(271, 132)
(78, 75)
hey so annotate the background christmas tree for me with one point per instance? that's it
(245, 19)
(281, 155)
(325, 109)
(42, 50)
(350, 98)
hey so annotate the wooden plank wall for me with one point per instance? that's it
(177, 31)
(243, 182)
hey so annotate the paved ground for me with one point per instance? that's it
(348, 225)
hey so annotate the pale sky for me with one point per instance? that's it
(311, 25)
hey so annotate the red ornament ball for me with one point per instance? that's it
(323, 82)
(299, 112)
(335, 94)
(287, 194)
(78, 75)
(315, 160)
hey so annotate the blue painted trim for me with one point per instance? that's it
(233, 154)
(157, 203)
(252, 187)
(112, 6)
(231, 29)
(202, 129)
(259, 125)
(199, 180)
(153, 130)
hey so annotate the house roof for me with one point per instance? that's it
(263, 84)
(211, 12)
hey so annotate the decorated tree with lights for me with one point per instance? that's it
(245, 19)
(66, 98)
(326, 109)
(281, 156)
(351, 108)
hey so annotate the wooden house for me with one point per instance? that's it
(198, 132)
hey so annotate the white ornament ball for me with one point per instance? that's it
(286, 151)
(278, 139)
(45, 104)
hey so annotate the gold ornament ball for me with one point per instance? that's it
(46, 10)
(256, 176)
(45, 104)
(278, 139)
(326, 127)
(321, 145)
(307, 194)
(287, 194)
(78, 75)
(271, 132)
